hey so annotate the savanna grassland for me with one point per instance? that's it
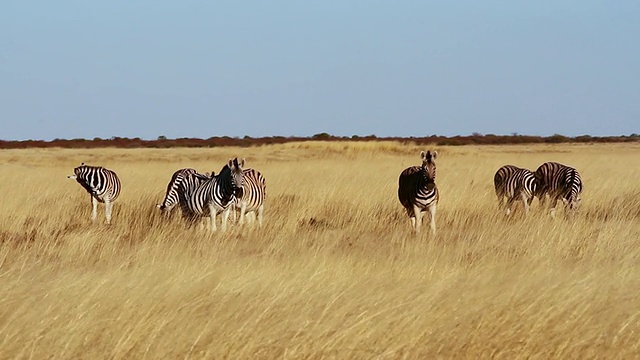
(334, 273)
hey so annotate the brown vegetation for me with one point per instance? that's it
(162, 142)
(334, 273)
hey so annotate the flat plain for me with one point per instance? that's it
(335, 272)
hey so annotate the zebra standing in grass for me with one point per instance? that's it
(253, 196)
(218, 193)
(558, 182)
(102, 184)
(418, 192)
(182, 184)
(514, 183)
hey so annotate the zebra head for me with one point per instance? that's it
(237, 176)
(77, 171)
(428, 165)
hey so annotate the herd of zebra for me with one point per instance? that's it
(198, 195)
(418, 192)
(237, 189)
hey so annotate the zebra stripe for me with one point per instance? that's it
(253, 197)
(514, 183)
(417, 190)
(559, 182)
(102, 184)
(218, 193)
(182, 184)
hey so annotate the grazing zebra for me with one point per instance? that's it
(102, 184)
(558, 182)
(418, 192)
(218, 193)
(514, 183)
(253, 197)
(182, 184)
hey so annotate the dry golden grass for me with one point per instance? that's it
(334, 273)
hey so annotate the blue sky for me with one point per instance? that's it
(142, 68)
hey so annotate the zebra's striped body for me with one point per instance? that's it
(253, 197)
(558, 182)
(514, 183)
(218, 193)
(182, 184)
(102, 184)
(417, 190)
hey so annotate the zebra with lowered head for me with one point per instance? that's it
(102, 184)
(514, 183)
(253, 196)
(217, 194)
(417, 190)
(558, 182)
(182, 184)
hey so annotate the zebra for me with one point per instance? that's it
(514, 183)
(253, 197)
(558, 182)
(182, 184)
(102, 184)
(218, 193)
(417, 190)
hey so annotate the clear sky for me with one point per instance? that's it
(144, 68)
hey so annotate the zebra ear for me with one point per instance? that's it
(422, 155)
(230, 163)
(434, 155)
(242, 163)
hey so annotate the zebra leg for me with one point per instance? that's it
(412, 218)
(225, 216)
(553, 204)
(94, 210)
(500, 201)
(260, 210)
(418, 218)
(526, 204)
(212, 214)
(510, 202)
(108, 205)
(432, 218)
(243, 211)
(234, 218)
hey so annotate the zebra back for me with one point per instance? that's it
(101, 183)
(416, 184)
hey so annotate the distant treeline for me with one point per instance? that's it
(163, 142)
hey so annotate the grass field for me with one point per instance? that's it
(334, 273)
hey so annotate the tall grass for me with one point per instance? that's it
(334, 273)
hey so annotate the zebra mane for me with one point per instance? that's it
(224, 171)
(83, 165)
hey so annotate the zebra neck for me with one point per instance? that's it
(224, 193)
